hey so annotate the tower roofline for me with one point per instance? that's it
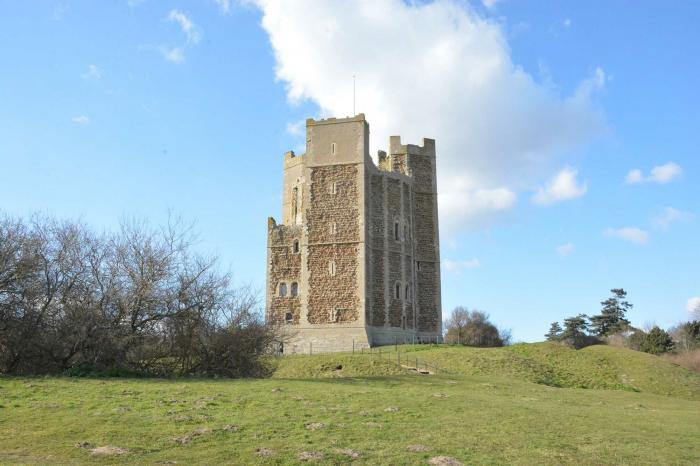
(427, 148)
(334, 121)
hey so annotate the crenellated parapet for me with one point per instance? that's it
(355, 259)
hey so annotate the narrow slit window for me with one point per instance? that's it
(289, 318)
(294, 290)
(283, 290)
(334, 315)
(295, 246)
(397, 290)
(333, 227)
(331, 268)
(295, 195)
(396, 231)
(333, 148)
(333, 188)
(407, 292)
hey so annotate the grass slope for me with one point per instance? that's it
(477, 420)
(600, 366)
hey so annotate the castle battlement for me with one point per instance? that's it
(355, 260)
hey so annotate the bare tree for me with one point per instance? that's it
(139, 300)
(473, 328)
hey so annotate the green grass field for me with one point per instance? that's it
(635, 409)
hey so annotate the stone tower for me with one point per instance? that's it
(356, 258)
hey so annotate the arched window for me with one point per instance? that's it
(283, 290)
(295, 246)
(397, 290)
(289, 318)
(331, 268)
(407, 293)
(294, 291)
(333, 228)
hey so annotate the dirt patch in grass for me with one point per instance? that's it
(444, 461)
(310, 456)
(348, 452)
(315, 426)
(265, 452)
(108, 450)
(185, 439)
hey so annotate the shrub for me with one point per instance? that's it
(138, 301)
(473, 328)
(657, 341)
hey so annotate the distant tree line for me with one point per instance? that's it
(473, 328)
(612, 326)
(138, 301)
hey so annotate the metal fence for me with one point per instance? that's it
(396, 353)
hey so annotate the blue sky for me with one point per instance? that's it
(540, 110)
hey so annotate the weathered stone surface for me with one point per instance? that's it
(353, 233)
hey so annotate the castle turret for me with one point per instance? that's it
(355, 261)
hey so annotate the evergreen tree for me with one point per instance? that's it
(657, 341)
(554, 333)
(575, 330)
(612, 317)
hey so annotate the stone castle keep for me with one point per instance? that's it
(355, 261)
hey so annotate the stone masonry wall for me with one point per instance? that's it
(328, 207)
(285, 266)
(428, 319)
(377, 233)
(333, 226)
(333, 294)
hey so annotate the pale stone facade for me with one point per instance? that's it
(356, 259)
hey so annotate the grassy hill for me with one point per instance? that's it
(601, 367)
(369, 411)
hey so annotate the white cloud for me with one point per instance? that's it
(188, 27)
(81, 120)
(490, 3)
(660, 174)
(566, 22)
(457, 267)
(224, 5)
(172, 54)
(693, 306)
(297, 128)
(669, 216)
(631, 234)
(565, 249)
(473, 205)
(497, 130)
(93, 72)
(561, 188)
